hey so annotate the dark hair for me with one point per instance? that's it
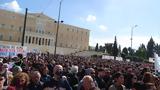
(148, 77)
(20, 56)
(2, 75)
(139, 86)
(128, 80)
(117, 75)
(149, 86)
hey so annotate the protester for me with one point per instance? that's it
(20, 81)
(58, 81)
(73, 78)
(2, 87)
(100, 79)
(148, 77)
(138, 86)
(16, 69)
(68, 71)
(88, 83)
(19, 61)
(35, 83)
(150, 86)
(130, 79)
(118, 82)
(45, 77)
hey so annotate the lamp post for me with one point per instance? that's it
(24, 27)
(59, 15)
(132, 28)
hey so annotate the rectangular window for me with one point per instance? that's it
(12, 27)
(36, 31)
(14, 17)
(20, 29)
(32, 40)
(39, 31)
(49, 42)
(36, 40)
(3, 25)
(26, 39)
(10, 38)
(46, 42)
(29, 40)
(19, 39)
(42, 32)
(1, 37)
(43, 41)
(67, 29)
(52, 42)
(39, 41)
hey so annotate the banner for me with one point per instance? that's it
(10, 50)
(157, 64)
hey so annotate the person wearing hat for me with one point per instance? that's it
(16, 69)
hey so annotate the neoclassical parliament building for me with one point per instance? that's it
(40, 33)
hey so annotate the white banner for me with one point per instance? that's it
(10, 50)
(157, 63)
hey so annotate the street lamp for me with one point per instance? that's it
(24, 27)
(59, 15)
(132, 28)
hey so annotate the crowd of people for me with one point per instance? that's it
(68, 72)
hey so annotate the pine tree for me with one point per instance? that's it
(150, 48)
(124, 53)
(115, 49)
(96, 48)
(119, 50)
(141, 52)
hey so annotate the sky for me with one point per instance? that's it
(104, 18)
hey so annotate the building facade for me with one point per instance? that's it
(40, 33)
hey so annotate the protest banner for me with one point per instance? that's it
(157, 64)
(11, 50)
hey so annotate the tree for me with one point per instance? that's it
(141, 52)
(96, 48)
(130, 51)
(157, 49)
(115, 49)
(150, 48)
(101, 49)
(124, 53)
(108, 48)
(119, 50)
